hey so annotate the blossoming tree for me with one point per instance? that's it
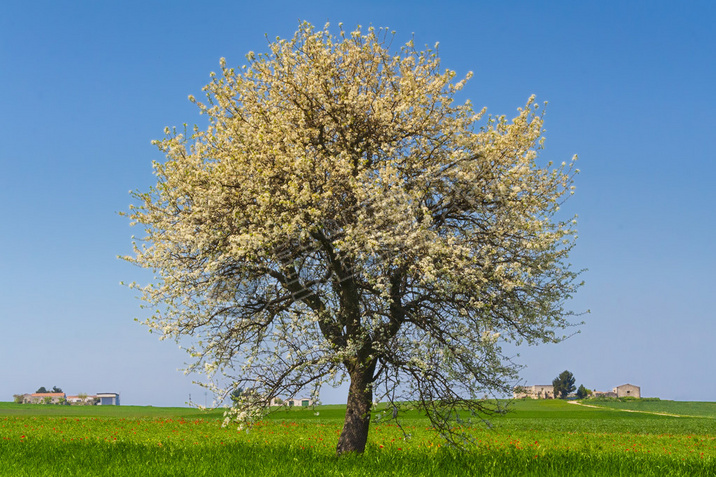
(341, 217)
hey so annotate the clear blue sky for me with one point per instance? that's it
(85, 86)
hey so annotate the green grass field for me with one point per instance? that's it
(535, 438)
(693, 409)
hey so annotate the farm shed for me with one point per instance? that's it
(108, 399)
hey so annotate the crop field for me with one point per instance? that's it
(535, 438)
(692, 409)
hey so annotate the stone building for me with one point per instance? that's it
(603, 394)
(627, 390)
(536, 391)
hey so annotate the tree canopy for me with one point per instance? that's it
(43, 390)
(563, 384)
(341, 217)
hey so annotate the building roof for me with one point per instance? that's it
(47, 394)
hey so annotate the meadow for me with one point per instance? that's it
(534, 438)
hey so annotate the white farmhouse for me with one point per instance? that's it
(291, 402)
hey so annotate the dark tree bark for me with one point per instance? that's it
(360, 399)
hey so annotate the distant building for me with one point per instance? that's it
(606, 394)
(627, 390)
(536, 391)
(546, 391)
(105, 399)
(108, 399)
(291, 402)
(42, 398)
(82, 400)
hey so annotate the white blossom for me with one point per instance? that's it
(341, 217)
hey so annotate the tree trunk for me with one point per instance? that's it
(357, 422)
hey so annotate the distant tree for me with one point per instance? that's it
(55, 389)
(18, 398)
(42, 390)
(47, 400)
(563, 384)
(582, 392)
(236, 394)
(239, 395)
